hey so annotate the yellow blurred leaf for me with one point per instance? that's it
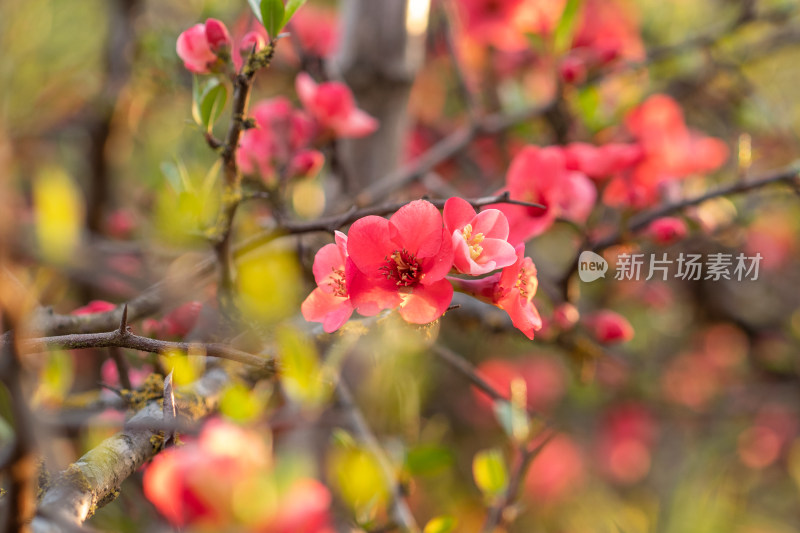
(358, 478)
(302, 375)
(185, 368)
(440, 524)
(269, 285)
(242, 404)
(55, 378)
(490, 472)
(59, 214)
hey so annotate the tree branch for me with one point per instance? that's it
(400, 512)
(144, 344)
(334, 222)
(94, 479)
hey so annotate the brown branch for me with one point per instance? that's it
(444, 150)
(497, 516)
(144, 344)
(94, 479)
(400, 512)
(466, 369)
(242, 86)
(334, 222)
(645, 218)
(21, 464)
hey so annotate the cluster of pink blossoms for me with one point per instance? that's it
(284, 137)
(634, 174)
(206, 48)
(406, 262)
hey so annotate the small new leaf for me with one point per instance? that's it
(209, 102)
(170, 412)
(255, 5)
(272, 16)
(440, 524)
(490, 472)
(565, 29)
(291, 7)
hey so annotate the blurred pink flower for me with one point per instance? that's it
(331, 104)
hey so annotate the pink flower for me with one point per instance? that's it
(202, 45)
(95, 306)
(577, 198)
(541, 175)
(492, 21)
(608, 327)
(182, 319)
(670, 151)
(252, 40)
(512, 290)
(305, 509)
(601, 161)
(479, 240)
(566, 316)
(306, 163)
(110, 374)
(401, 262)
(556, 472)
(317, 30)
(331, 104)
(330, 302)
(197, 485)
(282, 135)
(667, 230)
(533, 176)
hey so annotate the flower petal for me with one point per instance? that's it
(457, 214)
(417, 227)
(368, 244)
(427, 302)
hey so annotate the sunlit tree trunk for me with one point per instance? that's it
(382, 49)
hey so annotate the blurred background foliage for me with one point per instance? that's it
(692, 427)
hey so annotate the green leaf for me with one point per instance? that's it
(291, 7)
(209, 102)
(562, 36)
(440, 524)
(513, 420)
(272, 16)
(490, 472)
(255, 5)
(428, 459)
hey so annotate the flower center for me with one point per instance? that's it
(527, 282)
(337, 282)
(403, 268)
(473, 241)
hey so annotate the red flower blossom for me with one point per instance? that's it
(202, 45)
(667, 230)
(479, 240)
(512, 290)
(95, 306)
(330, 302)
(609, 327)
(401, 262)
(280, 140)
(197, 484)
(540, 175)
(670, 151)
(331, 104)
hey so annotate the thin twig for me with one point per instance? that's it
(497, 516)
(144, 344)
(334, 222)
(400, 511)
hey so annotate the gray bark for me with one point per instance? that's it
(379, 59)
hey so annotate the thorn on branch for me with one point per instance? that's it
(123, 323)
